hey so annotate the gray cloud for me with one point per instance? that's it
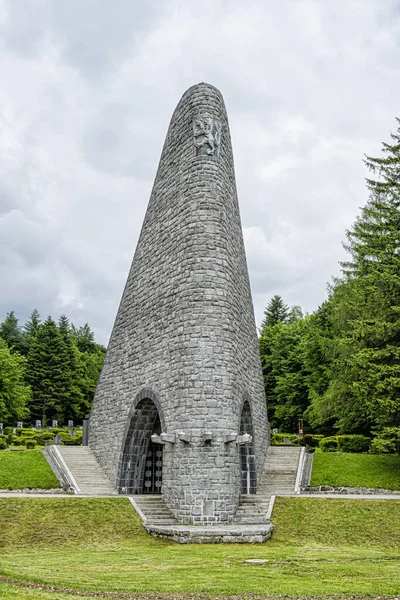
(309, 86)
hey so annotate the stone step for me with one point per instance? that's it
(86, 471)
(153, 509)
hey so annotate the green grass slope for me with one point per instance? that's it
(356, 470)
(25, 469)
(319, 547)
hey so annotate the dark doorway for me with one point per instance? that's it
(141, 461)
(247, 456)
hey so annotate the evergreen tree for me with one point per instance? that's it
(14, 393)
(365, 390)
(320, 360)
(276, 312)
(11, 333)
(30, 328)
(32, 324)
(287, 375)
(84, 338)
(74, 396)
(49, 373)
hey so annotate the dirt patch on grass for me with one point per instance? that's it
(157, 596)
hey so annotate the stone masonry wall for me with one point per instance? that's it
(185, 327)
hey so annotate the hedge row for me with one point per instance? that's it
(31, 437)
(338, 443)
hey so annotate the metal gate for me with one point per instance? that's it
(153, 470)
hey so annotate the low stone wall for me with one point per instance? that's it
(327, 489)
(213, 534)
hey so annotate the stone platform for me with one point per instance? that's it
(213, 534)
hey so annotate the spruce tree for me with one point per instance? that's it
(276, 312)
(366, 389)
(30, 329)
(11, 333)
(74, 397)
(48, 373)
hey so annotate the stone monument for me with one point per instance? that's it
(180, 406)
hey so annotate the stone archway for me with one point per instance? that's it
(140, 470)
(247, 454)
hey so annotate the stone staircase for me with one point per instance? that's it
(253, 508)
(82, 472)
(280, 471)
(278, 479)
(152, 510)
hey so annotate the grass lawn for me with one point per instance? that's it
(320, 547)
(356, 470)
(25, 469)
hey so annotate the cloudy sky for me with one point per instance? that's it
(87, 91)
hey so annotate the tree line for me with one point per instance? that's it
(339, 368)
(48, 370)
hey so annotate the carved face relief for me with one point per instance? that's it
(207, 136)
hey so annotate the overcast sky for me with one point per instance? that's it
(87, 91)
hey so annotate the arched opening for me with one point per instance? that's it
(247, 456)
(141, 461)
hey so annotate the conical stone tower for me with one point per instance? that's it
(182, 377)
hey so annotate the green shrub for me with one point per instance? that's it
(18, 441)
(10, 438)
(329, 444)
(353, 443)
(25, 431)
(43, 437)
(7, 430)
(387, 441)
(311, 440)
(3, 444)
(30, 444)
(71, 441)
(277, 439)
(2, 436)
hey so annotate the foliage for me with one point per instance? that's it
(31, 327)
(345, 443)
(346, 546)
(356, 470)
(278, 439)
(25, 469)
(329, 444)
(285, 372)
(3, 444)
(30, 444)
(14, 392)
(353, 443)
(387, 441)
(276, 312)
(11, 333)
(365, 387)
(24, 431)
(65, 371)
(44, 436)
(48, 373)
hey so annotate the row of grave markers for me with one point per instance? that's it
(38, 425)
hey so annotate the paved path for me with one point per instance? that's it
(324, 495)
